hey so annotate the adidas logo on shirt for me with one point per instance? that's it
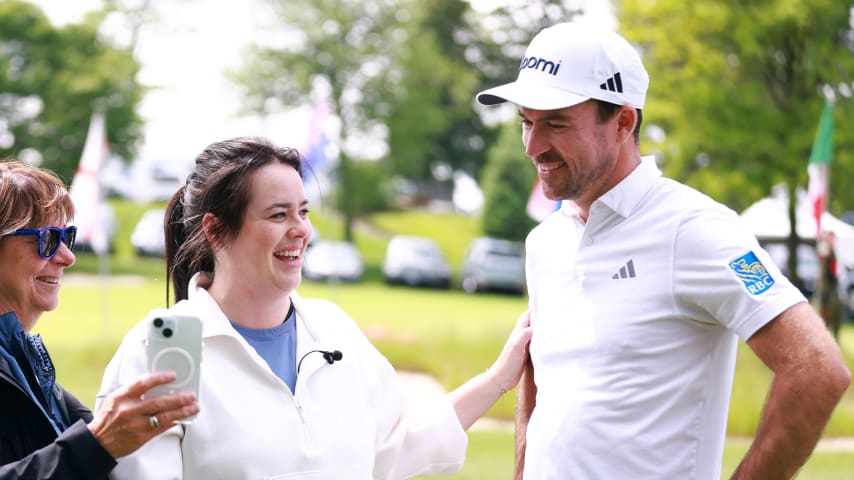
(626, 271)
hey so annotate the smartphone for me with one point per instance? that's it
(174, 342)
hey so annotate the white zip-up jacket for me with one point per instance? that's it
(347, 420)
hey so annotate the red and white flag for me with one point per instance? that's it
(86, 190)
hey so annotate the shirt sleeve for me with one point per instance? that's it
(722, 274)
(417, 438)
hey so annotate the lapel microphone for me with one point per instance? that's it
(330, 357)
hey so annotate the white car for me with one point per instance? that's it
(333, 261)
(148, 235)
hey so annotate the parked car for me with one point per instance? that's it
(494, 264)
(416, 261)
(147, 237)
(333, 261)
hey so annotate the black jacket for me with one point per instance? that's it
(29, 446)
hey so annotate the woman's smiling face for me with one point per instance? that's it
(266, 256)
(29, 285)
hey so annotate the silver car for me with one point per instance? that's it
(494, 264)
(333, 261)
(414, 261)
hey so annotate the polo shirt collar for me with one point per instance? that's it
(627, 195)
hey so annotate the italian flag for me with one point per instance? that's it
(819, 166)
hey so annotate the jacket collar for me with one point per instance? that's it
(311, 333)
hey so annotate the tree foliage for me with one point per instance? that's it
(338, 45)
(738, 88)
(405, 67)
(507, 181)
(53, 78)
(431, 120)
(449, 54)
(368, 191)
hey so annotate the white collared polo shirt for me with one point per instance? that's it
(636, 318)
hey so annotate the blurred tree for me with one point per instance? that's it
(53, 79)
(507, 28)
(368, 188)
(450, 53)
(737, 89)
(341, 46)
(403, 67)
(431, 120)
(507, 181)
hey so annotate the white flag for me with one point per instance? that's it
(86, 191)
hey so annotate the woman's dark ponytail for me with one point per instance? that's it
(173, 226)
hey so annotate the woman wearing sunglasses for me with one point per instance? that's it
(45, 432)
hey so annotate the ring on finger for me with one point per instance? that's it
(152, 420)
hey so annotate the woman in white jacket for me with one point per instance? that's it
(290, 387)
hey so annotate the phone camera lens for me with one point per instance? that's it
(158, 322)
(167, 332)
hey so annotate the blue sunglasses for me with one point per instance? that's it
(49, 238)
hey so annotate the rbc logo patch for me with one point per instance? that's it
(751, 271)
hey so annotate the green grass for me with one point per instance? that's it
(822, 465)
(456, 337)
(490, 455)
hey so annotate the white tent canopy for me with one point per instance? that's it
(769, 220)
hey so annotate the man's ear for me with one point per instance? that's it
(209, 224)
(627, 118)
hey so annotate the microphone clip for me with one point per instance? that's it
(330, 356)
(333, 356)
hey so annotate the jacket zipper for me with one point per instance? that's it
(305, 430)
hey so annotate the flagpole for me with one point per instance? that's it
(88, 198)
(104, 276)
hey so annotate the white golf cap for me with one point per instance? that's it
(569, 63)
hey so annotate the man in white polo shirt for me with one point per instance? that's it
(640, 288)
